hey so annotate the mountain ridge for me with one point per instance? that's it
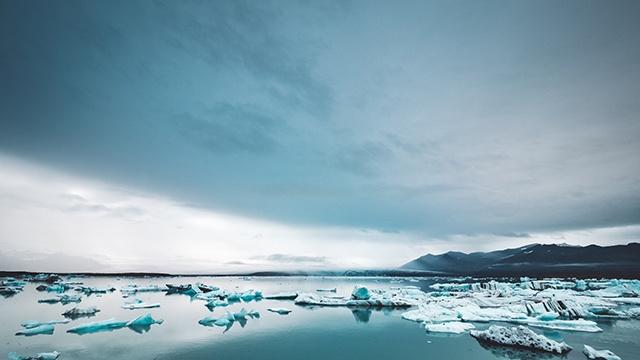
(537, 260)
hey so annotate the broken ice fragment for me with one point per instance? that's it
(282, 296)
(328, 290)
(45, 329)
(281, 311)
(594, 354)
(206, 288)
(519, 336)
(454, 327)
(64, 299)
(143, 323)
(98, 326)
(78, 312)
(139, 304)
(29, 324)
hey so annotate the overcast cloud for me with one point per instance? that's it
(381, 129)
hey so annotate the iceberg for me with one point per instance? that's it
(98, 326)
(594, 354)
(217, 303)
(519, 336)
(282, 296)
(181, 289)
(132, 289)
(139, 304)
(206, 288)
(140, 324)
(44, 329)
(29, 324)
(88, 290)
(567, 325)
(41, 356)
(281, 311)
(431, 313)
(143, 323)
(453, 327)
(328, 290)
(78, 312)
(229, 318)
(63, 299)
(360, 293)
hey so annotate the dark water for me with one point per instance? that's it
(306, 333)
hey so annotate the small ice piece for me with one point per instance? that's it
(594, 354)
(64, 299)
(282, 296)
(45, 329)
(98, 326)
(29, 324)
(41, 356)
(328, 290)
(251, 295)
(431, 313)
(360, 293)
(143, 323)
(206, 288)
(139, 304)
(519, 336)
(78, 312)
(217, 303)
(454, 327)
(281, 311)
(93, 290)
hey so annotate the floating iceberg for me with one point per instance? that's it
(217, 303)
(567, 325)
(206, 288)
(378, 298)
(431, 313)
(29, 324)
(454, 327)
(140, 324)
(63, 299)
(281, 311)
(98, 326)
(251, 295)
(282, 296)
(328, 290)
(594, 354)
(181, 289)
(88, 290)
(360, 293)
(229, 318)
(78, 312)
(41, 356)
(519, 336)
(139, 304)
(44, 329)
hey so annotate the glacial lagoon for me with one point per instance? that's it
(307, 332)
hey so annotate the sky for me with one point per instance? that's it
(228, 136)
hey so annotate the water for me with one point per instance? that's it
(306, 333)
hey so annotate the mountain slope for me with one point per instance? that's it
(537, 260)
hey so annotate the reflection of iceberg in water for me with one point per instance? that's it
(361, 315)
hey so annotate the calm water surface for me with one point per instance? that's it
(306, 333)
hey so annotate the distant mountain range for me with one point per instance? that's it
(538, 260)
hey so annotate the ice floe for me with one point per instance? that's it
(282, 296)
(281, 311)
(139, 304)
(453, 327)
(62, 299)
(230, 318)
(140, 324)
(519, 336)
(44, 329)
(594, 354)
(32, 324)
(76, 312)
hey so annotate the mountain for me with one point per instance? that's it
(537, 260)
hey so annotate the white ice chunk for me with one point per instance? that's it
(139, 304)
(594, 354)
(519, 336)
(568, 325)
(454, 327)
(29, 324)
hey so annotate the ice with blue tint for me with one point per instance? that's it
(360, 293)
(76, 312)
(519, 336)
(29, 324)
(140, 324)
(44, 329)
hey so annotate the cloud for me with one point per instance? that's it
(295, 259)
(515, 235)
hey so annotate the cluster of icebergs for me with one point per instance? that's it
(451, 307)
